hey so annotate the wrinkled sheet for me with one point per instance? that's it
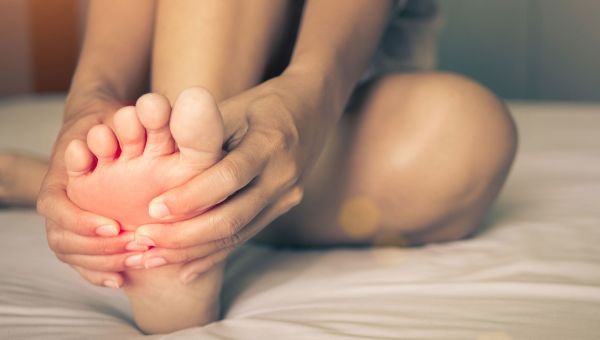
(533, 272)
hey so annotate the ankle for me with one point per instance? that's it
(162, 304)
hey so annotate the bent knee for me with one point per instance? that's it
(448, 126)
(454, 145)
(453, 100)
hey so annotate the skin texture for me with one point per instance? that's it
(233, 42)
(142, 155)
(322, 88)
(98, 90)
(308, 99)
(116, 173)
(386, 162)
(420, 159)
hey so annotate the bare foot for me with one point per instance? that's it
(117, 176)
(20, 178)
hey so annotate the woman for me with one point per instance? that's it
(418, 157)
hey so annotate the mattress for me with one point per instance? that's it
(532, 272)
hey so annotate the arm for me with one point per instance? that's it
(336, 42)
(115, 57)
(276, 131)
(111, 69)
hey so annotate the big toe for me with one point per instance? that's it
(197, 127)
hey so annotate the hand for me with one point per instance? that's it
(77, 237)
(275, 133)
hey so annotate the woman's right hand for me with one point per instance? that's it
(75, 235)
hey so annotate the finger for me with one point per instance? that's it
(104, 263)
(157, 257)
(193, 269)
(105, 279)
(206, 253)
(66, 242)
(233, 172)
(54, 204)
(222, 221)
(282, 205)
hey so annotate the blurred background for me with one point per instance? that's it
(521, 49)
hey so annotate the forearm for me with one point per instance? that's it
(337, 39)
(114, 59)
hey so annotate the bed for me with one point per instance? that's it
(532, 272)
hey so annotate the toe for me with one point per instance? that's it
(102, 142)
(78, 158)
(197, 127)
(130, 132)
(154, 113)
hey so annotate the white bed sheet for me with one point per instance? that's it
(532, 273)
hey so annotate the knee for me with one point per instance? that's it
(441, 97)
(453, 146)
(432, 99)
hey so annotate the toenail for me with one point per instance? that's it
(110, 284)
(158, 210)
(154, 262)
(144, 240)
(135, 246)
(134, 260)
(107, 230)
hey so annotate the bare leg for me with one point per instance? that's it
(20, 178)
(223, 46)
(421, 160)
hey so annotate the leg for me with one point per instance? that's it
(160, 303)
(421, 161)
(20, 178)
(232, 43)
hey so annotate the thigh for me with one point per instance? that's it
(418, 159)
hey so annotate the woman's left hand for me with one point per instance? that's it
(274, 132)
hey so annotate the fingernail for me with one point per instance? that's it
(154, 262)
(107, 230)
(134, 260)
(110, 284)
(144, 240)
(189, 278)
(158, 210)
(135, 246)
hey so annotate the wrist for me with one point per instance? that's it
(91, 100)
(95, 85)
(321, 84)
